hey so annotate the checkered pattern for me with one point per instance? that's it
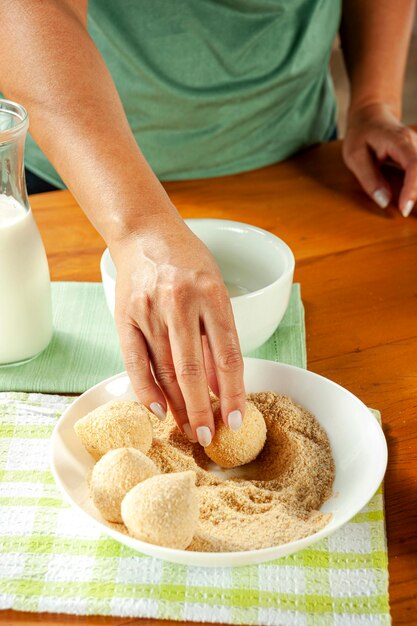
(52, 559)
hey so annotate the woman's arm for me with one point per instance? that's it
(49, 64)
(375, 38)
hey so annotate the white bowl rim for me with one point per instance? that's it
(262, 554)
(280, 244)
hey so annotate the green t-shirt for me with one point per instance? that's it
(213, 87)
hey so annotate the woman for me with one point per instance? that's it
(204, 88)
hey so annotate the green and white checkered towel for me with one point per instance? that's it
(53, 559)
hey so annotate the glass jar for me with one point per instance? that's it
(25, 290)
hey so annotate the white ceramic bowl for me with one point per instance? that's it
(248, 258)
(357, 442)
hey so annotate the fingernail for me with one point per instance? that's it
(381, 197)
(203, 436)
(158, 410)
(408, 207)
(234, 420)
(188, 432)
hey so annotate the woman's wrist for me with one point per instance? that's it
(154, 233)
(136, 211)
(131, 225)
(371, 108)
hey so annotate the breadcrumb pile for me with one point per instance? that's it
(272, 500)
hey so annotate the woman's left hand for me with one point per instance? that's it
(374, 134)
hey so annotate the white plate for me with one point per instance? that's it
(357, 441)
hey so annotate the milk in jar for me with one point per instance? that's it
(25, 295)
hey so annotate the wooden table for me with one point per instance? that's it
(357, 266)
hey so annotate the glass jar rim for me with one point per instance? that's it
(18, 111)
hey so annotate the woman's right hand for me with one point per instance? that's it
(176, 326)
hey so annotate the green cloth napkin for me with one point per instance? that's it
(85, 348)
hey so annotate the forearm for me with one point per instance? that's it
(164, 276)
(49, 64)
(375, 36)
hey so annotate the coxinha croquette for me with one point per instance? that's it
(118, 424)
(231, 448)
(126, 485)
(116, 473)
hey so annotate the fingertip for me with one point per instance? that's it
(233, 412)
(382, 197)
(204, 435)
(159, 410)
(200, 425)
(407, 208)
(149, 394)
(235, 420)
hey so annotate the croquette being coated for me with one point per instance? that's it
(163, 510)
(233, 448)
(114, 475)
(118, 424)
